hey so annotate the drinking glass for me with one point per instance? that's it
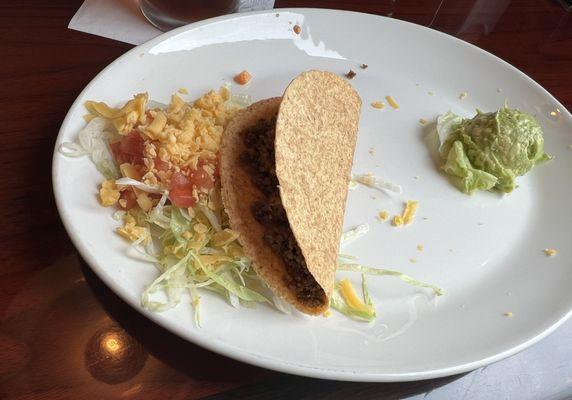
(169, 14)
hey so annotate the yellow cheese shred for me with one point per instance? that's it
(409, 211)
(391, 101)
(351, 297)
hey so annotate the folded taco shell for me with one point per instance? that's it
(316, 131)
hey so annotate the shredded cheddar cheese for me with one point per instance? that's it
(409, 211)
(550, 252)
(108, 193)
(391, 101)
(397, 220)
(131, 231)
(351, 297)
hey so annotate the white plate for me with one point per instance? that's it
(485, 250)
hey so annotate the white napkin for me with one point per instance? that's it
(122, 20)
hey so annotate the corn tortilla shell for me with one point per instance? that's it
(238, 194)
(316, 133)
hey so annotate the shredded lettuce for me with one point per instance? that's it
(354, 234)
(240, 100)
(170, 279)
(226, 281)
(213, 219)
(375, 182)
(381, 272)
(93, 141)
(138, 184)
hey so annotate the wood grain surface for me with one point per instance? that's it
(63, 334)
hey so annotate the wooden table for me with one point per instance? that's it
(58, 323)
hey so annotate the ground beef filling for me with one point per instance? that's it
(258, 160)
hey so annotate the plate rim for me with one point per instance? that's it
(224, 348)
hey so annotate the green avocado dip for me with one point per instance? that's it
(491, 149)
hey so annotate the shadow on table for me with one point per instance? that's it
(198, 363)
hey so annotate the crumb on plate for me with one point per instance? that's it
(383, 215)
(297, 29)
(378, 104)
(420, 247)
(243, 78)
(550, 252)
(183, 91)
(409, 211)
(423, 121)
(508, 314)
(397, 220)
(463, 95)
(364, 66)
(350, 74)
(391, 101)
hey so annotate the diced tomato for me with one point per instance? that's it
(129, 197)
(182, 197)
(133, 147)
(161, 165)
(181, 191)
(183, 185)
(129, 149)
(200, 178)
(117, 153)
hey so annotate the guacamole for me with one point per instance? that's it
(491, 149)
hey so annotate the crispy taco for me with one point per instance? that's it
(285, 169)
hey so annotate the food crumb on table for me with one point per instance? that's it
(550, 252)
